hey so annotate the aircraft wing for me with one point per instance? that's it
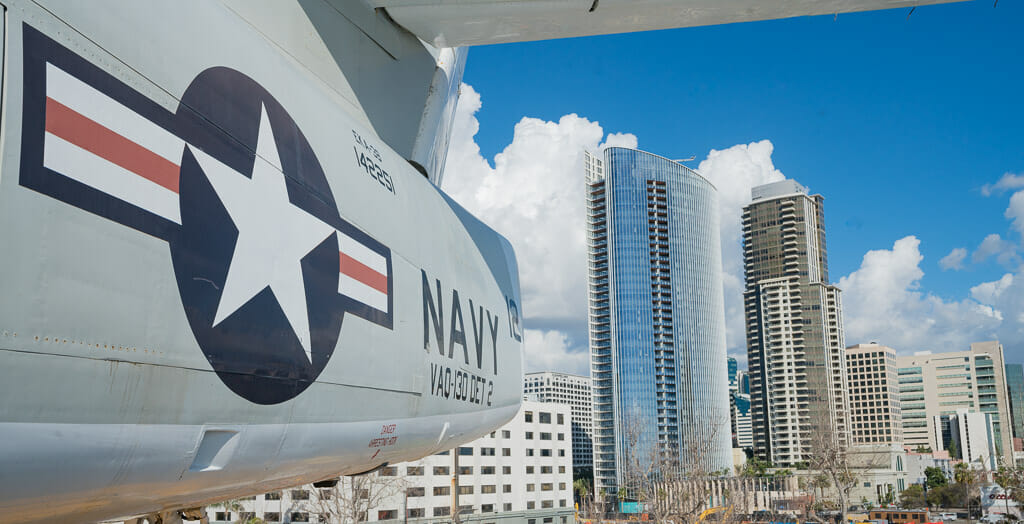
(450, 23)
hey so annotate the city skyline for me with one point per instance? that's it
(897, 210)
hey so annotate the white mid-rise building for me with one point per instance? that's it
(573, 391)
(519, 474)
(973, 434)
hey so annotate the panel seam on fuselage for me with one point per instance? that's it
(360, 386)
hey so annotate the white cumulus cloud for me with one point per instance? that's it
(551, 350)
(1004, 251)
(734, 172)
(883, 302)
(954, 260)
(533, 195)
(1009, 181)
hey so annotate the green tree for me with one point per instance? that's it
(913, 497)
(755, 467)
(935, 477)
(1009, 479)
(953, 449)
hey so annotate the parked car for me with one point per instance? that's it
(993, 518)
(947, 516)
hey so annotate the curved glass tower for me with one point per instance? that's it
(657, 319)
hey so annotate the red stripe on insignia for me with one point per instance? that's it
(85, 133)
(363, 273)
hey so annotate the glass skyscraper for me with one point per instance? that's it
(1015, 390)
(657, 319)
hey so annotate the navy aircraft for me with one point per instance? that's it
(226, 266)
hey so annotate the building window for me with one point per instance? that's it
(547, 486)
(545, 436)
(506, 452)
(487, 508)
(561, 436)
(220, 515)
(416, 512)
(547, 504)
(561, 469)
(529, 452)
(529, 470)
(545, 418)
(300, 494)
(486, 470)
(465, 451)
(531, 505)
(545, 469)
(441, 470)
(506, 506)
(442, 490)
(273, 495)
(415, 492)
(506, 470)
(530, 487)
(442, 511)
(506, 488)
(506, 433)
(388, 472)
(561, 485)
(486, 452)
(528, 416)
(300, 516)
(465, 490)
(414, 471)
(465, 470)
(561, 453)
(488, 488)
(272, 516)
(387, 514)
(561, 418)
(529, 435)
(547, 453)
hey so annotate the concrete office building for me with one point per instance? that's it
(938, 384)
(794, 325)
(973, 434)
(657, 318)
(875, 416)
(519, 474)
(573, 391)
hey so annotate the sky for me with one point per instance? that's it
(909, 126)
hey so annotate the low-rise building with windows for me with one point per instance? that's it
(519, 474)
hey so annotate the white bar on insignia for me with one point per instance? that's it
(355, 289)
(102, 109)
(363, 254)
(96, 172)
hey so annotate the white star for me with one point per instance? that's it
(273, 234)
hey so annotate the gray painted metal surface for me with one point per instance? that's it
(128, 382)
(481, 22)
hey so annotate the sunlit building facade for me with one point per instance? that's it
(794, 325)
(657, 319)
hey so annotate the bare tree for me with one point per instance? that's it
(352, 498)
(671, 479)
(829, 457)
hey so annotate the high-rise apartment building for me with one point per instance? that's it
(873, 395)
(657, 319)
(938, 384)
(1015, 390)
(573, 391)
(794, 324)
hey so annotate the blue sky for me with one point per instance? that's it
(898, 122)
